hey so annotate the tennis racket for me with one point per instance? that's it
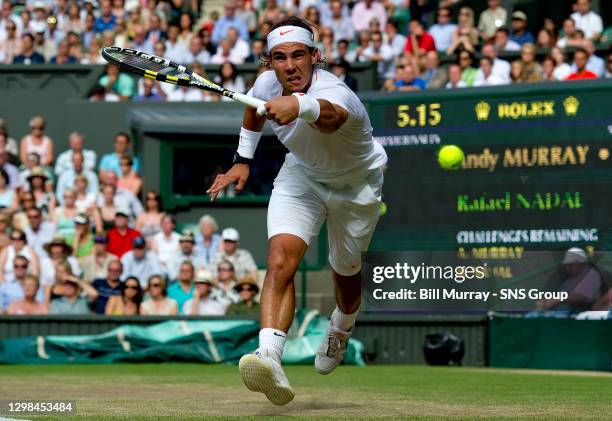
(164, 70)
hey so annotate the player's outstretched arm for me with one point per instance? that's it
(239, 173)
(324, 116)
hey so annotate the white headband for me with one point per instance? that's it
(290, 34)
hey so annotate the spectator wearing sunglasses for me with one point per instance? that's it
(13, 289)
(128, 303)
(18, 246)
(224, 291)
(247, 288)
(158, 303)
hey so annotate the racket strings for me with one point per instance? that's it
(145, 64)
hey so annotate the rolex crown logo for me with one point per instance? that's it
(571, 105)
(482, 111)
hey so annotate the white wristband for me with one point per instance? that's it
(309, 107)
(248, 143)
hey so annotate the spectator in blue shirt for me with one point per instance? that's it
(442, 32)
(28, 55)
(520, 33)
(151, 92)
(107, 20)
(63, 54)
(230, 20)
(109, 286)
(405, 80)
(112, 161)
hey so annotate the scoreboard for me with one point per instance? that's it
(537, 173)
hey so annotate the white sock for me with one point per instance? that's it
(272, 342)
(343, 321)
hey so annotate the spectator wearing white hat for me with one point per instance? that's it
(244, 264)
(203, 303)
(580, 280)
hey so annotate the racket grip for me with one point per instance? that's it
(258, 104)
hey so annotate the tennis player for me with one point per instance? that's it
(332, 172)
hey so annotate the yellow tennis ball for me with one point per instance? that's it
(450, 157)
(383, 208)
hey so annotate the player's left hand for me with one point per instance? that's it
(283, 109)
(239, 174)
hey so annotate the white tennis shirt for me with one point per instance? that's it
(340, 156)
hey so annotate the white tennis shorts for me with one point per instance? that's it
(299, 206)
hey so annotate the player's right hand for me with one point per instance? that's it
(238, 174)
(283, 109)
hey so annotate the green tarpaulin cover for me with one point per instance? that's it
(209, 341)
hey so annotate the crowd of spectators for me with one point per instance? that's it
(392, 33)
(75, 238)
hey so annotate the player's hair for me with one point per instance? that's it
(264, 58)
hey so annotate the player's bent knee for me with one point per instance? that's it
(345, 268)
(284, 256)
